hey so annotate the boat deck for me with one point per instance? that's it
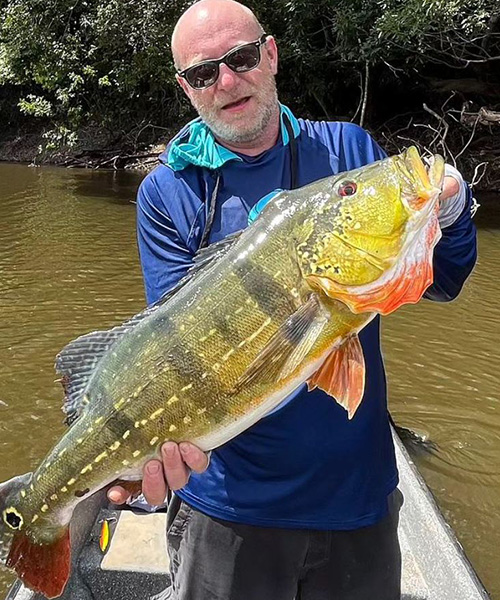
(136, 563)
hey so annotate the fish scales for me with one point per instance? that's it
(235, 340)
(262, 294)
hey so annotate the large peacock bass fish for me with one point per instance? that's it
(260, 313)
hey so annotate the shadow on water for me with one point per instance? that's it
(115, 187)
(488, 214)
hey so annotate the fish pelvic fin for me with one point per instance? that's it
(404, 283)
(342, 375)
(288, 347)
(44, 568)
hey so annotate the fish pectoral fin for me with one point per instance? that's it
(44, 568)
(288, 347)
(342, 375)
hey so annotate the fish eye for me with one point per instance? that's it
(347, 188)
(12, 518)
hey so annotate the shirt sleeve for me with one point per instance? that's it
(455, 255)
(450, 210)
(164, 255)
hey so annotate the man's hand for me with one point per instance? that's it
(173, 471)
(450, 188)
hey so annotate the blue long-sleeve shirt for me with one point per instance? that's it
(304, 465)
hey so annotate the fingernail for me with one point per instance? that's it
(153, 468)
(184, 448)
(114, 497)
(169, 450)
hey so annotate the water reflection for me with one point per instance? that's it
(68, 265)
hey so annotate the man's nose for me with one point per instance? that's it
(227, 77)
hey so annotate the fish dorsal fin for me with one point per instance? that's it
(78, 360)
(210, 254)
(288, 346)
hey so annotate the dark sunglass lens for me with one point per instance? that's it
(203, 75)
(243, 59)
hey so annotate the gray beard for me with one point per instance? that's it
(232, 134)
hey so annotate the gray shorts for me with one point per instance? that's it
(212, 559)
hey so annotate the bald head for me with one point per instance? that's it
(239, 105)
(204, 22)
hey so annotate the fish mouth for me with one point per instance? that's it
(421, 183)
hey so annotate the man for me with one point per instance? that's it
(303, 504)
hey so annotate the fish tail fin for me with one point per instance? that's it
(44, 568)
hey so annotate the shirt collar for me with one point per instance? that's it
(196, 144)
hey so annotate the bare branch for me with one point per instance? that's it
(469, 141)
(477, 178)
(365, 95)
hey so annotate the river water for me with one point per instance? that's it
(68, 265)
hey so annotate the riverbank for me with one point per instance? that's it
(91, 148)
(97, 148)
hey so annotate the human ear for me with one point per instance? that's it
(272, 53)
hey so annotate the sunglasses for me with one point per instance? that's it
(241, 59)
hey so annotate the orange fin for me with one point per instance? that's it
(342, 375)
(406, 284)
(44, 568)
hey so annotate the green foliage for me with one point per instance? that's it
(108, 62)
(35, 106)
(88, 61)
(329, 44)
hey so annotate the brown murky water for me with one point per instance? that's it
(68, 265)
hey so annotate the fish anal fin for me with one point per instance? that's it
(44, 568)
(405, 283)
(287, 348)
(342, 375)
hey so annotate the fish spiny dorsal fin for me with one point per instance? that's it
(211, 254)
(78, 360)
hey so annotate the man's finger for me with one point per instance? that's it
(196, 459)
(118, 495)
(176, 471)
(154, 487)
